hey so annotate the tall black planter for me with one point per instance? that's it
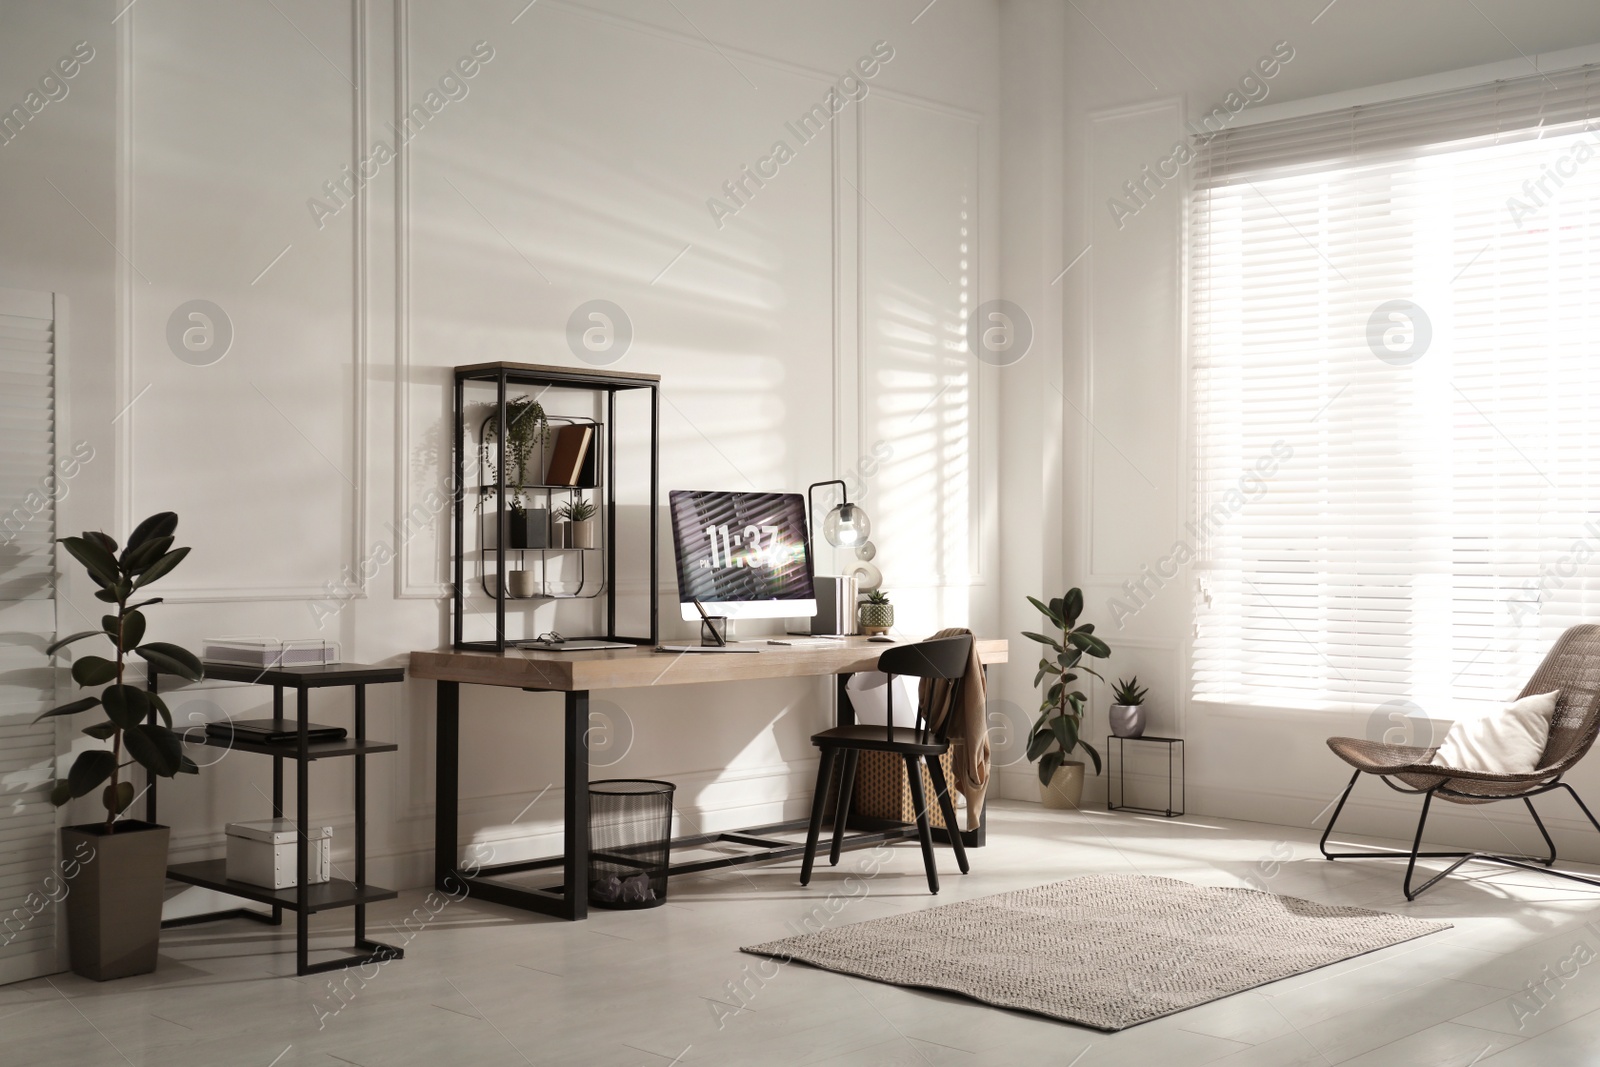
(528, 528)
(114, 901)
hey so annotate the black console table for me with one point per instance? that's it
(303, 899)
(1174, 745)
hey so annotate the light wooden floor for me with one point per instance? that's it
(484, 985)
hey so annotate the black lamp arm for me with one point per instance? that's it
(811, 510)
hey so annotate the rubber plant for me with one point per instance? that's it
(1057, 733)
(148, 556)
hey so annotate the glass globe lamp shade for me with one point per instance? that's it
(846, 525)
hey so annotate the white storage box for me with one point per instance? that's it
(253, 651)
(263, 853)
(869, 696)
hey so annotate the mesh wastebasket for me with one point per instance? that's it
(630, 842)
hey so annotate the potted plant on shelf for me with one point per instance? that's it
(582, 529)
(529, 428)
(1057, 733)
(1127, 708)
(114, 901)
(876, 614)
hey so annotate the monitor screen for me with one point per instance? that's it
(744, 555)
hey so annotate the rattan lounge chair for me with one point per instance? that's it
(1572, 666)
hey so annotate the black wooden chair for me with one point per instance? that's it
(1572, 666)
(943, 658)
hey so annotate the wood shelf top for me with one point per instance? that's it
(544, 372)
(542, 669)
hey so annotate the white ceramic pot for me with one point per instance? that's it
(1127, 720)
(1065, 790)
(521, 584)
(585, 533)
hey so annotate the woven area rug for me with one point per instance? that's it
(1106, 951)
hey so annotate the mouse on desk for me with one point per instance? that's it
(881, 639)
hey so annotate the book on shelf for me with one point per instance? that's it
(568, 453)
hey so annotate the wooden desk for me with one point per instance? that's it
(575, 674)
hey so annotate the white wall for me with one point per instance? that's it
(812, 326)
(1114, 83)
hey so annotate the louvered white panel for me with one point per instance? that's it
(1438, 524)
(28, 822)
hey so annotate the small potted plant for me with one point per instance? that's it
(1057, 732)
(114, 902)
(582, 529)
(1127, 708)
(529, 429)
(876, 614)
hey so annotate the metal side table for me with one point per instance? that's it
(1117, 769)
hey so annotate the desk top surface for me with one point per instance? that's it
(526, 668)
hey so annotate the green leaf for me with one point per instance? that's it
(89, 770)
(189, 766)
(70, 709)
(100, 564)
(1043, 672)
(1039, 744)
(135, 560)
(93, 670)
(161, 567)
(1048, 612)
(1093, 755)
(160, 705)
(1073, 606)
(116, 799)
(126, 705)
(161, 524)
(1089, 643)
(146, 603)
(132, 629)
(110, 596)
(101, 731)
(1049, 765)
(156, 747)
(171, 659)
(1054, 693)
(1058, 609)
(104, 540)
(1086, 628)
(1066, 731)
(65, 641)
(1043, 640)
(61, 792)
(1069, 659)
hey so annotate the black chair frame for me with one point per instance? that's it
(944, 658)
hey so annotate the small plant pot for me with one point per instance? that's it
(875, 618)
(114, 900)
(1127, 720)
(1065, 790)
(529, 528)
(585, 533)
(521, 584)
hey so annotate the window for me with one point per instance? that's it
(1396, 384)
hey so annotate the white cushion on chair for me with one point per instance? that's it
(1508, 741)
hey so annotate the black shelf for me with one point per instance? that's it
(305, 677)
(324, 896)
(315, 750)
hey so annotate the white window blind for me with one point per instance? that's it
(1405, 298)
(28, 941)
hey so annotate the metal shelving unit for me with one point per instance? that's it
(489, 491)
(302, 900)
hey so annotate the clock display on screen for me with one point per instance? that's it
(741, 546)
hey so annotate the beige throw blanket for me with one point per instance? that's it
(969, 733)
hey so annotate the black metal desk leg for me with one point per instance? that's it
(302, 812)
(447, 768)
(361, 809)
(576, 774)
(277, 783)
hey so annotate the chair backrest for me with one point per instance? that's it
(944, 658)
(1573, 666)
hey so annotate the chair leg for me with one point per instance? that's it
(1416, 844)
(1585, 808)
(818, 800)
(841, 807)
(914, 776)
(1546, 833)
(947, 808)
(1323, 844)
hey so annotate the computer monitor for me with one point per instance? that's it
(743, 555)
